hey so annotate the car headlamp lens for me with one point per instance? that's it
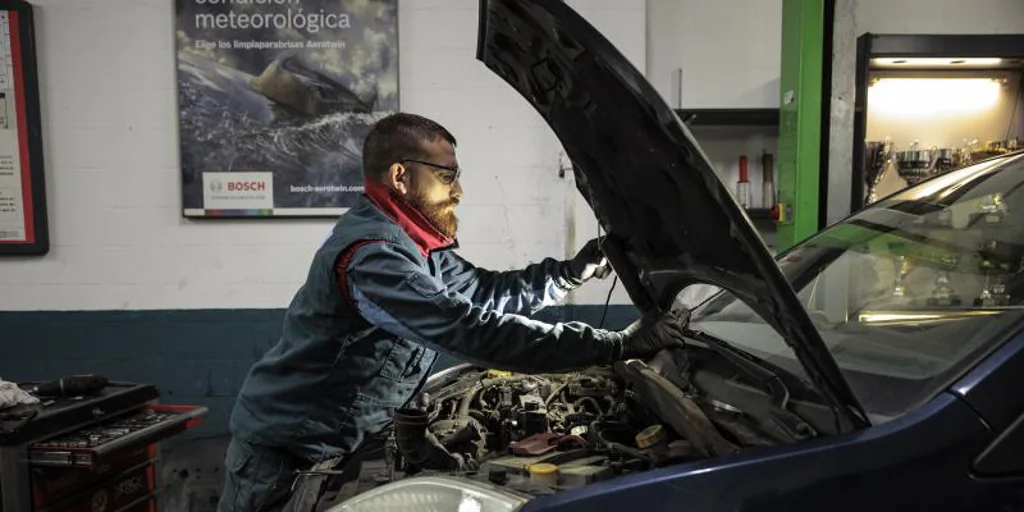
(433, 494)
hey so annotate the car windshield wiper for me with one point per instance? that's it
(761, 373)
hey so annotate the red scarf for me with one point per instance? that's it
(420, 230)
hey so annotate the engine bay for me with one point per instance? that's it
(544, 433)
(535, 433)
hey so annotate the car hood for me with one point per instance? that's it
(670, 221)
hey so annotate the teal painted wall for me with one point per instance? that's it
(197, 357)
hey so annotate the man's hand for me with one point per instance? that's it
(589, 262)
(647, 336)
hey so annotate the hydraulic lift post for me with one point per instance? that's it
(800, 120)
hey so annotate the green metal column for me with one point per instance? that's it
(800, 119)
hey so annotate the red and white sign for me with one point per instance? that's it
(238, 190)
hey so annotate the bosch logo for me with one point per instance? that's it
(237, 190)
(247, 186)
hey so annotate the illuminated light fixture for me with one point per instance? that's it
(933, 95)
(908, 318)
(937, 62)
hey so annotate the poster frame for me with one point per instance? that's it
(26, 86)
(203, 214)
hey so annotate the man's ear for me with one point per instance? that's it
(398, 178)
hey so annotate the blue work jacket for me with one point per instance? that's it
(351, 353)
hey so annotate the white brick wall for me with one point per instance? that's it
(107, 72)
(729, 51)
(730, 54)
(624, 23)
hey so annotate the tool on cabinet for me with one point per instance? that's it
(74, 385)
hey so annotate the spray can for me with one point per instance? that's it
(743, 185)
(767, 180)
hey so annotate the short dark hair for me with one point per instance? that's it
(398, 136)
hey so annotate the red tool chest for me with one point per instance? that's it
(97, 453)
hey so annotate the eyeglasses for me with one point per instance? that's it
(447, 178)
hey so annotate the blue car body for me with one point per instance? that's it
(959, 451)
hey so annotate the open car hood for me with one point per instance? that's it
(670, 221)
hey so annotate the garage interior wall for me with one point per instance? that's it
(721, 54)
(132, 290)
(856, 17)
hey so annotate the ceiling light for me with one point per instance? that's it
(933, 62)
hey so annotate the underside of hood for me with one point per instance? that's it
(669, 219)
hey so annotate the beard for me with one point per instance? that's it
(441, 215)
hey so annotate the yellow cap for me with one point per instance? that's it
(650, 436)
(543, 468)
(498, 373)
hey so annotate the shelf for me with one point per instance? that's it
(762, 220)
(729, 116)
(759, 213)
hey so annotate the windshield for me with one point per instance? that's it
(906, 294)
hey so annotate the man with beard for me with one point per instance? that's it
(384, 294)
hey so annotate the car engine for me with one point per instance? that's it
(536, 434)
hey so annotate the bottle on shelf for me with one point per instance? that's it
(743, 185)
(767, 180)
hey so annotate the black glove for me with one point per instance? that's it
(648, 335)
(589, 262)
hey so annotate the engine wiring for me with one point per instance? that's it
(488, 419)
(495, 426)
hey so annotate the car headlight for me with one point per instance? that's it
(433, 494)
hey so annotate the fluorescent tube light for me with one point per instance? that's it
(936, 62)
(933, 95)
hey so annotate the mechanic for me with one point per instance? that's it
(385, 292)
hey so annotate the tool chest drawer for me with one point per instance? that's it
(93, 445)
(129, 487)
(52, 484)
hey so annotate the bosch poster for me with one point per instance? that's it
(275, 98)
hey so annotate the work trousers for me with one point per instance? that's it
(257, 478)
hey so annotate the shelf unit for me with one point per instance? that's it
(762, 117)
(759, 214)
(878, 53)
(744, 120)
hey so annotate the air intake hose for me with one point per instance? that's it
(419, 447)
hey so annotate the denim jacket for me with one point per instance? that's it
(350, 354)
